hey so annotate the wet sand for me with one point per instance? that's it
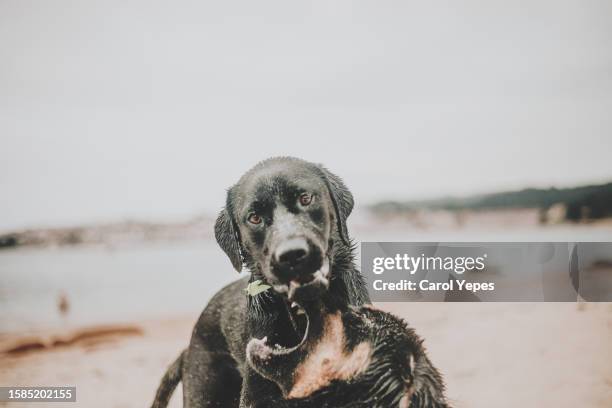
(491, 354)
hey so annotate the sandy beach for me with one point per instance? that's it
(491, 354)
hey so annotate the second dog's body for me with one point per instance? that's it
(354, 357)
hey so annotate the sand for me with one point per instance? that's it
(492, 355)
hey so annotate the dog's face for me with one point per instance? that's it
(282, 219)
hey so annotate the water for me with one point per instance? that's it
(108, 285)
(152, 281)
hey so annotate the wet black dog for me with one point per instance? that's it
(356, 357)
(285, 220)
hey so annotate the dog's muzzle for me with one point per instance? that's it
(298, 263)
(320, 280)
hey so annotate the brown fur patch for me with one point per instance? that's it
(328, 361)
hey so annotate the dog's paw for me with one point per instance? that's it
(257, 350)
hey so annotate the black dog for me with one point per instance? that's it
(352, 357)
(285, 220)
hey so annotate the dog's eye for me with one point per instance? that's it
(305, 199)
(255, 219)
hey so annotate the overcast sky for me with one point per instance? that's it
(152, 109)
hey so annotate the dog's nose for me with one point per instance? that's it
(292, 252)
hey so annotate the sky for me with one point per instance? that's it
(150, 110)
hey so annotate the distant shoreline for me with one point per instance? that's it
(112, 233)
(132, 232)
(577, 204)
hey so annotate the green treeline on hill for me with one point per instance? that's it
(581, 203)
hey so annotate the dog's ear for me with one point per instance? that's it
(228, 237)
(342, 200)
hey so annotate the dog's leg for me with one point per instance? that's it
(210, 379)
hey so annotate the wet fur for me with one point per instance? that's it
(213, 369)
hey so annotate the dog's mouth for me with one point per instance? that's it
(311, 283)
